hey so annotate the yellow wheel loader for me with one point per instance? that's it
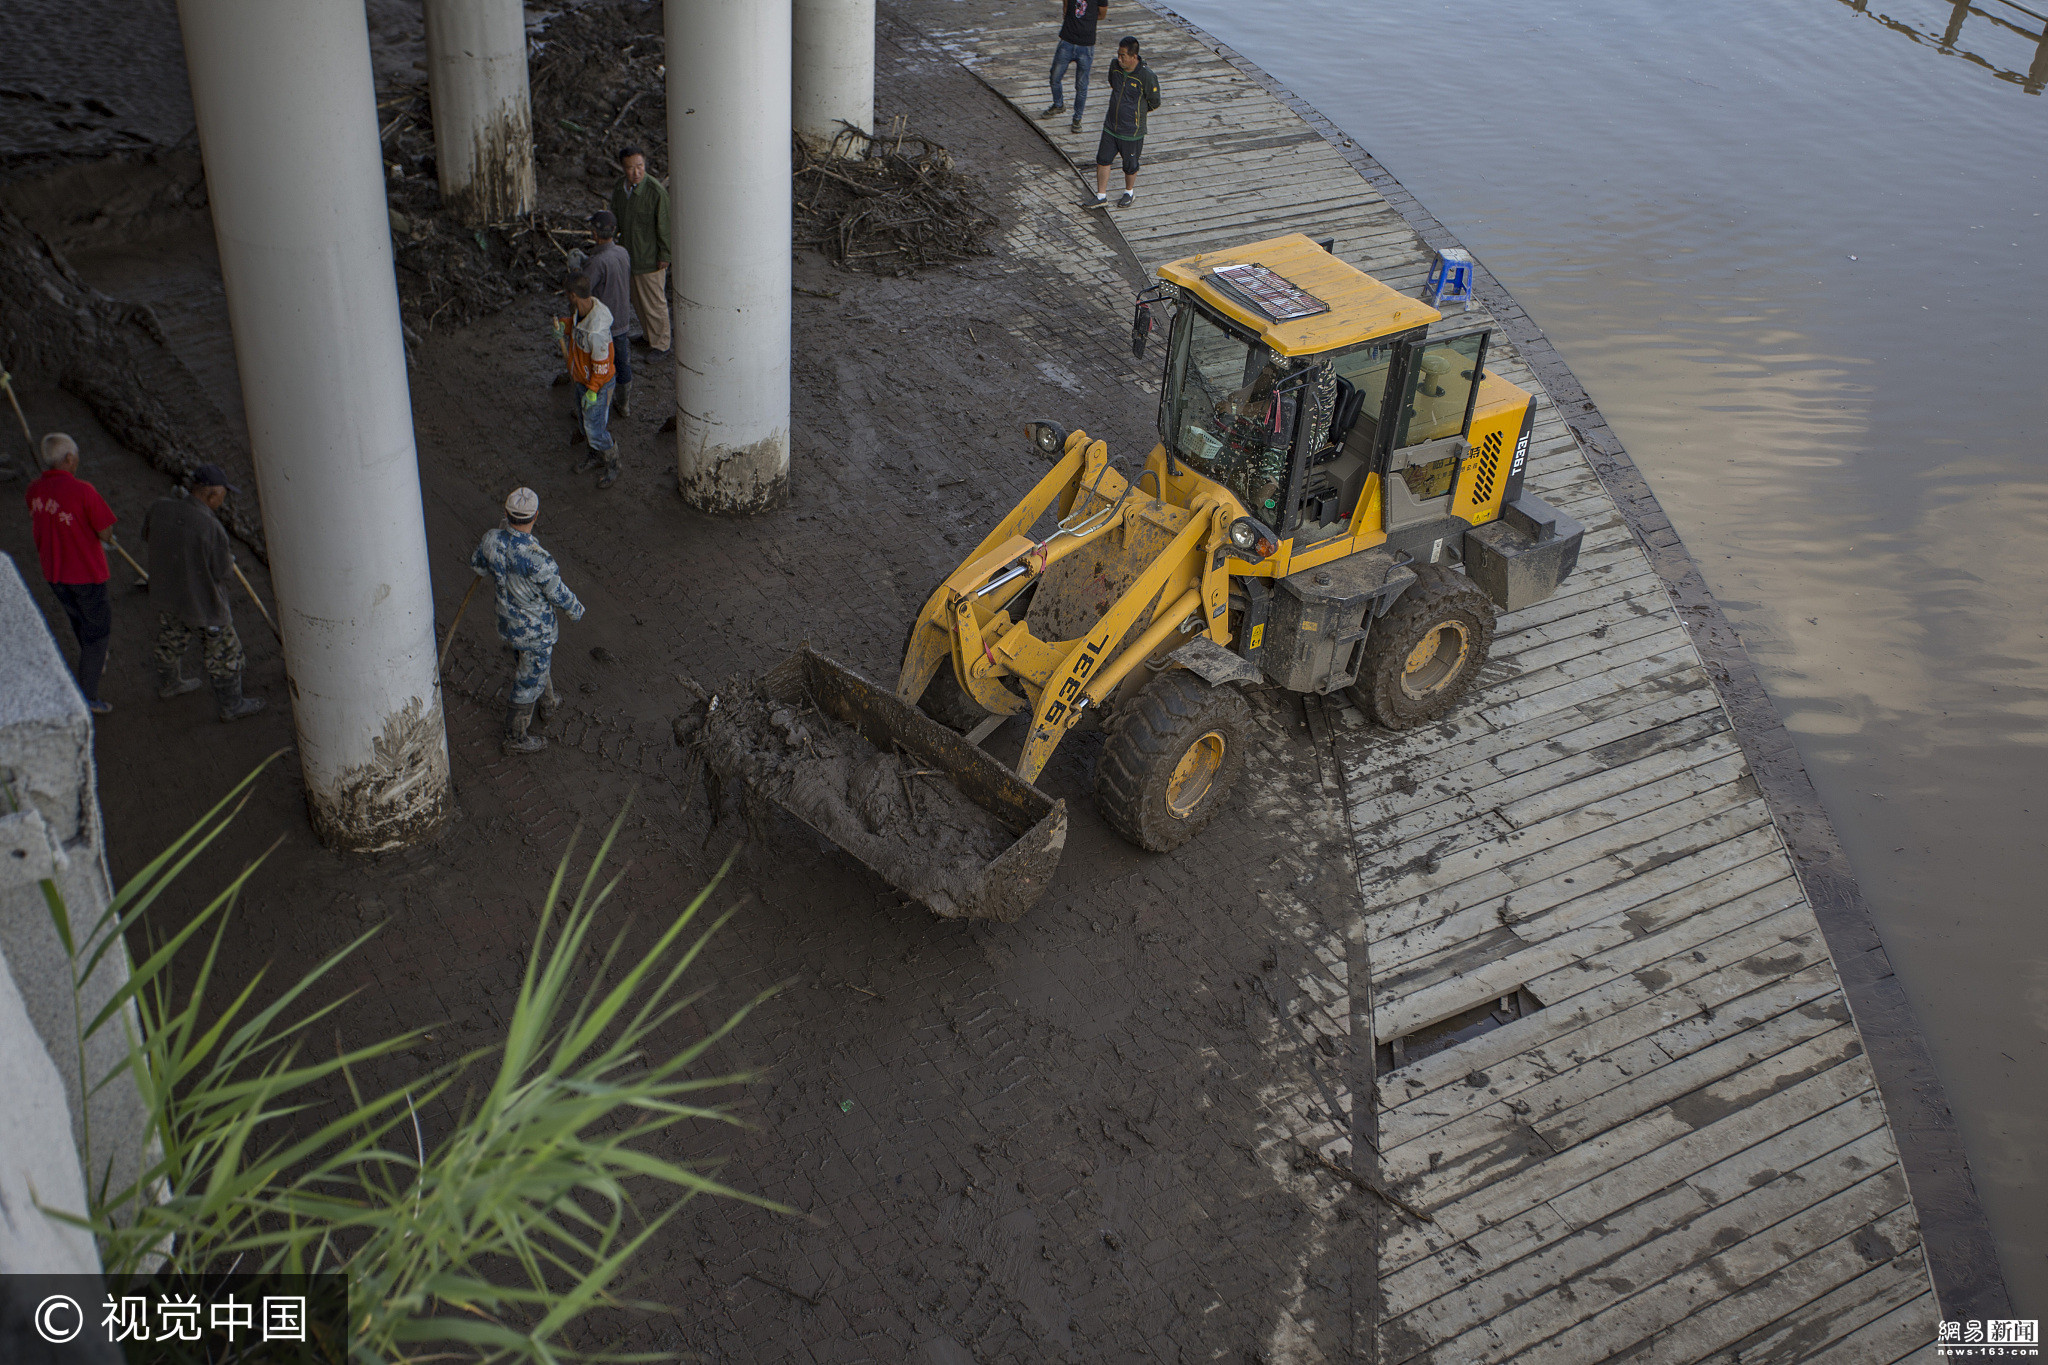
(1335, 504)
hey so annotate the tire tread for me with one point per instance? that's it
(1438, 592)
(1148, 741)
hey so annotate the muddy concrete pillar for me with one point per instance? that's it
(483, 122)
(728, 151)
(834, 75)
(287, 118)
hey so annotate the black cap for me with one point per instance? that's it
(603, 223)
(212, 476)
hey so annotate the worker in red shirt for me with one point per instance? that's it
(71, 522)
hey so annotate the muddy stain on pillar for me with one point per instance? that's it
(483, 121)
(399, 796)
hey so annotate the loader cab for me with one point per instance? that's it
(1297, 438)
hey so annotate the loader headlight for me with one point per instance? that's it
(1253, 539)
(1049, 438)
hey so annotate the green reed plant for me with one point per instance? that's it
(484, 1245)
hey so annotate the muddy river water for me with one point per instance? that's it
(1794, 248)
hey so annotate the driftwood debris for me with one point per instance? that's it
(887, 204)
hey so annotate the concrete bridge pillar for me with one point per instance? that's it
(483, 122)
(728, 150)
(287, 118)
(834, 76)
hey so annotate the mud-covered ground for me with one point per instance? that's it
(1046, 1140)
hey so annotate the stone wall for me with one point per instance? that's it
(50, 833)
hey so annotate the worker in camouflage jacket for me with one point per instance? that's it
(529, 589)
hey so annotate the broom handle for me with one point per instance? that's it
(251, 590)
(140, 572)
(443, 664)
(7, 383)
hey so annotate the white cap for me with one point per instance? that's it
(522, 504)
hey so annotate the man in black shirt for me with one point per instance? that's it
(1077, 47)
(189, 566)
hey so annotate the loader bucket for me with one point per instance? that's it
(914, 802)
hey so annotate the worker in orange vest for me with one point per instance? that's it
(586, 337)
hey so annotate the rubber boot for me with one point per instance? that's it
(227, 695)
(622, 400)
(517, 741)
(550, 702)
(172, 682)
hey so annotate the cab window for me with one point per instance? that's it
(1441, 378)
(1230, 410)
(1366, 370)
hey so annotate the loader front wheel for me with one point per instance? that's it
(947, 702)
(944, 699)
(1421, 656)
(1176, 752)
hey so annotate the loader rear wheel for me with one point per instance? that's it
(1176, 751)
(1422, 655)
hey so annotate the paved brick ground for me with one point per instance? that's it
(1053, 1140)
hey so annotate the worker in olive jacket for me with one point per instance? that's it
(640, 205)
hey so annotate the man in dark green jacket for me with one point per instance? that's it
(641, 206)
(1133, 93)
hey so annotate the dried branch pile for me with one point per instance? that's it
(894, 206)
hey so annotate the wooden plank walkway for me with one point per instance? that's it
(1664, 1143)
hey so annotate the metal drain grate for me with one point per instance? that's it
(1445, 1034)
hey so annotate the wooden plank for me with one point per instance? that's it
(1817, 1325)
(1649, 1153)
(1640, 593)
(1665, 820)
(1572, 616)
(1469, 770)
(1662, 957)
(1526, 1306)
(1741, 1107)
(1526, 690)
(1901, 1334)
(1726, 1283)
(1487, 1299)
(1443, 800)
(1699, 1051)
(1680, 662)
(1733, 1177)
(1570, 645)
(1685, 886)
(1819, 1044)
(1489, 978)
(1765, 1279)
(1570, 899)
(1587, 1063)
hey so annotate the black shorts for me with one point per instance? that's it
(1110, 148)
